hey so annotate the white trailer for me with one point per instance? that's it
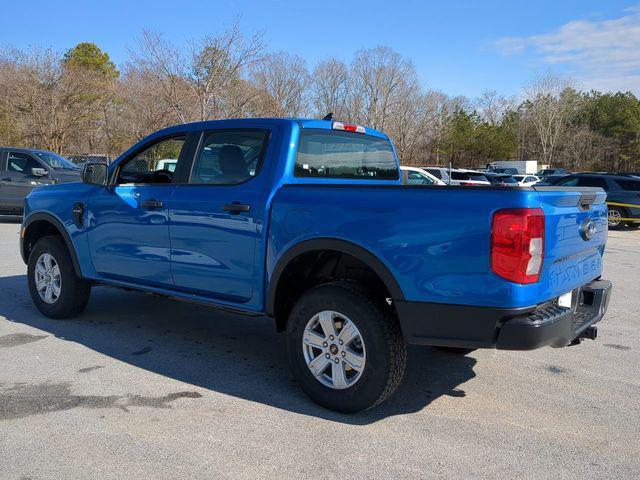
(523, 166)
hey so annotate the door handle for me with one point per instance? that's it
(236, 207)
(151, 204)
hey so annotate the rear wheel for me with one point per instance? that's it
(54, 287)
(345, 349)
(615, 216)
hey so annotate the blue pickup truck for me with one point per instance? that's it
(307, 223)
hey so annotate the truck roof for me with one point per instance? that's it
(24, 149)
(252, 122)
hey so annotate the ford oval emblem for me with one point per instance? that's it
(588, 229)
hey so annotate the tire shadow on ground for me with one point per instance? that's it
(218, 351)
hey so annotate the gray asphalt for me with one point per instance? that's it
(140, 387)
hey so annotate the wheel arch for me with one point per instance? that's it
(326, 245)
(39, 225)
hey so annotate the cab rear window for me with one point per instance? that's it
(337, 154)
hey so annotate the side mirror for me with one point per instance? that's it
(95, 173)
(39, 172)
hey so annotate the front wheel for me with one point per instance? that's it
(54, 287)
(345, 349)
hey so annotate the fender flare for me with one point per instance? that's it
(342, 246)
(47, 217)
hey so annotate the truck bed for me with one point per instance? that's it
(436, 240)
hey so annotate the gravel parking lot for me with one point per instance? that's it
(141, 387)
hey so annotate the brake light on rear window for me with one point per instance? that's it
(517, 244)
(348, 128)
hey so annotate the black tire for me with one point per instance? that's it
(621, 213)
(385, 347)
(74, 292)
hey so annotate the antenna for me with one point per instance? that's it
(328, 116)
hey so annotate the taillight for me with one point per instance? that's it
(517, 244)
(348, 128)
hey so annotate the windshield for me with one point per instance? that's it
(56, 161)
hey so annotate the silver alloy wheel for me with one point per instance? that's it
(48, 279)
(614, 218)
(334, 349)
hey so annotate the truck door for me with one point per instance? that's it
(128, 227)
(217, 220)
(18, 179)
(3, 168)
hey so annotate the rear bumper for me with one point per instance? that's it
(526, 328)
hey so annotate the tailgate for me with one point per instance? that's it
(575, 237)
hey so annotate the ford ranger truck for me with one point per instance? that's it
(307, 223)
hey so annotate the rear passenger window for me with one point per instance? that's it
(568, 182)
(229, 157)
(337, 154)
(592, 182)
(633, 185)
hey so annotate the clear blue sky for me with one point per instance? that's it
(459, 47)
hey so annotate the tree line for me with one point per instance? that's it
(80, 102)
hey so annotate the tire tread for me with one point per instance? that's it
(75, 291)
(391, 333)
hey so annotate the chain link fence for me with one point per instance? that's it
(82, 158)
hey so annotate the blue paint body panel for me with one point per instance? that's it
(435, 241)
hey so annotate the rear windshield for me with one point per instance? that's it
(336, 154)
(478, 177)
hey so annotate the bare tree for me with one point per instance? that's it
(550, 102)
(331, 88)
(492, 106)
(216, 65)
(584, 149)
(141, 107)
(282, 79)
(379, 76)
(405, 123)
(163, 64)
(52, 101)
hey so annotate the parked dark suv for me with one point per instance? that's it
(623, 189)
(22, 169)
